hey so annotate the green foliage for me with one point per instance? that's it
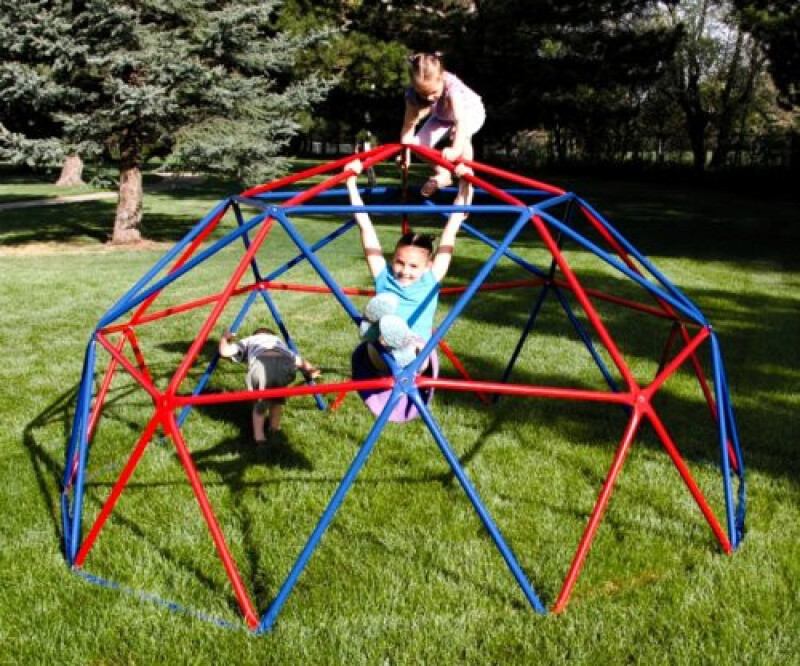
(776, 24)
(202, 78)
(563, 65)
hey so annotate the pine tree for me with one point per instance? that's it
(207, 82)
(31, 87)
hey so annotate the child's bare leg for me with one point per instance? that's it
(259, 420)
(442, 176)
(275, 412)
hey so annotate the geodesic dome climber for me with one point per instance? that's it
(606, 276)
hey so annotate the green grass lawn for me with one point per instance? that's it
(406, 573)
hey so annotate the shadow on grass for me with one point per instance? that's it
(230, 459)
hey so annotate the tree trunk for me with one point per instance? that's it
(71, 171)
(129, 206)
(697, 139)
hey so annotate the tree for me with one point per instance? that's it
(31, 96)
(776, 25)
(716, 74)
(573, 67)
(208, 83)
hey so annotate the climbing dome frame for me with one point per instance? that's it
(557, 219)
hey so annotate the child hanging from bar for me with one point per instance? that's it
(400, 316)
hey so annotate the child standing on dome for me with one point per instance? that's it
(453, 110)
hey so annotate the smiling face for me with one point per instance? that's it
(409, 263)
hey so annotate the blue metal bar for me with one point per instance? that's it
(475, 499)
(321, 404)
(687, 309)
(79, 421)
(330, 511)
(525, 332)
(734, 430)
(203, 381)
(723, 440)
(240, 317)
(327, 194)
(468, 293)
(112, 314)
(727, 409)
(145, 596)
(315, 248)
(586, 339)
(677, 293)
(394, 209)
(78, 432)
(382, 190)
(538, 272)
(327, 278)
(169, 256)
(82, 453)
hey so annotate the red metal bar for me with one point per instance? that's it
(674, 364)
(101, 394)
(118, 487)
(712, 405)
(368, 158)
(405, 159)
(689, 351)
(673, 333)
(525, 389)
(599, 509)
(250, 615)
(435, 156)
(583, 299)
(617, 300)
(460, 368)
(558, 257)
(177, 309)
(495, 286)
(285, 392)
(666, 440)
(137, 352)
(211, 320)
(145, 305)
(244, 263)
(200, 302)
(138, 376)
(515, 178)
(338, 401)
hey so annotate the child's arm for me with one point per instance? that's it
(444, 254)
(369, 239)
(228, 349)
(413, 114)
(312, 371)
